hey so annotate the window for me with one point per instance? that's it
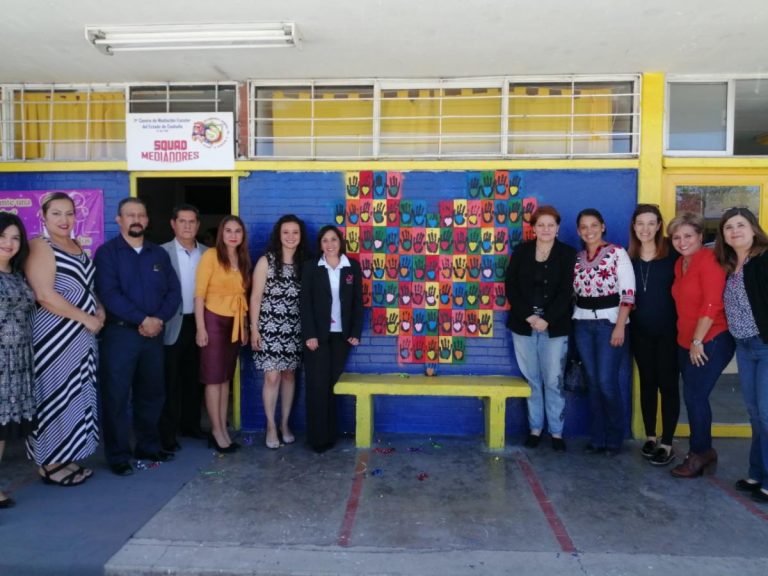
(572, 119)
(720, 117)
(441, 121)
(484, 118)
(63, 123)
(312, 121)
(697, 116)
(183, 98)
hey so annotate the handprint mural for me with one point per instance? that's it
(434, 274)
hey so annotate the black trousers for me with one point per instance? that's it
(183, 391)
(656, 357)
(322, 369)
(131, 374)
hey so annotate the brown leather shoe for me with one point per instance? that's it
(696, 465)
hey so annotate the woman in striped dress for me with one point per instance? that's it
(64, 329)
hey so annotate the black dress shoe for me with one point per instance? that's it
(159, 456)
(558, 444)
(532, 441)
(7, 502)
(743, 486)
(122, 469)
(649, 449)
(760, 496)
(662, 457)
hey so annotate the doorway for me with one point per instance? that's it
(709, 195)
(211, 195)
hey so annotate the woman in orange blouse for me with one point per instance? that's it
(221, 306)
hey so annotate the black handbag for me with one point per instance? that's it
(575, 378)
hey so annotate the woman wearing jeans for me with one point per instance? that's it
(604, 283)
(539, 286)
(742, 250)
(704, 344)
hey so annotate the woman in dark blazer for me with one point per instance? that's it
(539, 286)
(331, 323)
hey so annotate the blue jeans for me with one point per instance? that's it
(601, 362)
(698, 382)
(541, 359)
(752, 357)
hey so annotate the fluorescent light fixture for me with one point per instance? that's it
(135, 38)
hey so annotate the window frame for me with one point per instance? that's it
(730, 118)
(500, 82)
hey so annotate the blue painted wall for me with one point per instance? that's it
(312, 196)
(264, 196)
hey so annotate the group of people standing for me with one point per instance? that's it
(169, 318)
(173, 316)
(687, 308)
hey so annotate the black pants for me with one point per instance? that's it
(656, 357)
(131, 370)
(322, 369)
(183, 391)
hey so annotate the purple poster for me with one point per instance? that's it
(89, 213)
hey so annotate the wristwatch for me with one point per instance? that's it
(696, 342)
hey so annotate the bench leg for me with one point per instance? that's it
(363, 420)
(495, 422)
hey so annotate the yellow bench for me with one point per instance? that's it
(494, 390)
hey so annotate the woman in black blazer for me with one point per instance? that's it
(331, 322)
(539, 286)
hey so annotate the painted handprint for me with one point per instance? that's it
(353, 187)
(459, 267)
(458, 295)
(486, 323)
(473, 291)
(340, 213)
(460, 241)
(501, 184)
(446, 267)
(353, 244)
(392, 266)
(393, 322)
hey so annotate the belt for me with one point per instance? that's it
(123, 324)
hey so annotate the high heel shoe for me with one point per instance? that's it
(212, 443)
(696, 465)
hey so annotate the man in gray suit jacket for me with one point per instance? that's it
(183, 392)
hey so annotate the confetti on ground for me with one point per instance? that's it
(248, 440)
(210, 472)
(146, 465)
(436, 445)
(377, 472)
(422, 476)
(384, 450)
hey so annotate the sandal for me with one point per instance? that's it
(272, 444)
(287, 438)
(67, 481)
(85, 472)
(6, 502)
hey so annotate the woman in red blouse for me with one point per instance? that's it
(704, 344)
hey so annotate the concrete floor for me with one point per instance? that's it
(415, 506)
(412, 505)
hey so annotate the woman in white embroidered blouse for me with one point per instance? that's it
(604, 283)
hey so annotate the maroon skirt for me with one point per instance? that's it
(218, 359)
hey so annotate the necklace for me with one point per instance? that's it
(644, 275)
(543, 254)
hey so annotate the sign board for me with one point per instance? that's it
(89, 213)
(192, 141)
